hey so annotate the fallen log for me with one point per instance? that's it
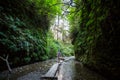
(52, 73)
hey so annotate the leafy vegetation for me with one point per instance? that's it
(94, 33)
(54, 45)
(23, 32)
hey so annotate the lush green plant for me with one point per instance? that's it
(66, 49)
(52, 45)
(24, 26)
(94, 33)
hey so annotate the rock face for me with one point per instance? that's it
(96, 36)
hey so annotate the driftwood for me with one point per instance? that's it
(7, 63)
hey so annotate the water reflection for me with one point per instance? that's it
(83, 73)
(73, 70)
(70, 70)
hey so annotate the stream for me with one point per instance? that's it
(74, 70)
(71, 70)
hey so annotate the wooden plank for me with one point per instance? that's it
(67, 69)
(55, 72)
(52, 70)
(51, 74)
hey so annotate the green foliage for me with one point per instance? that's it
(22, 42)
(86, 25)
(94, 33)
(27, 59)
(52, 45)
(24, 26)
(66, 49)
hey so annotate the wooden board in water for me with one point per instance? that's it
(51, 74)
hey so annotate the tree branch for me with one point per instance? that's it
(7, 57)
(7, 63)
(2, 58)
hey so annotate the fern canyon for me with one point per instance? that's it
(80, 38)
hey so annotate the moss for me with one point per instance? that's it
(96, 42)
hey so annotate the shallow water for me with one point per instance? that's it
(73, 70)
(69, 70)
